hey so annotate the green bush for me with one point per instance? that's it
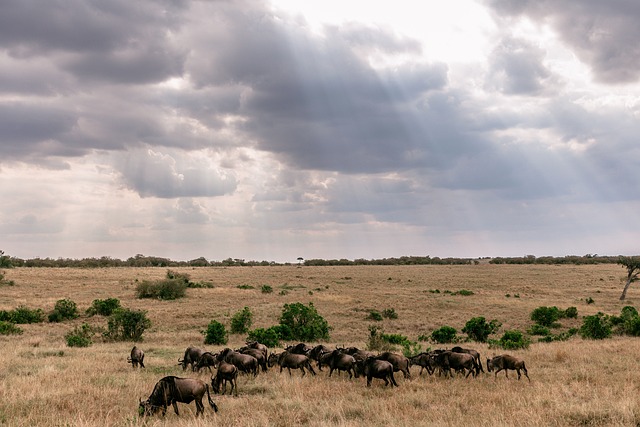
(389, 313)
(22, 315)
(8, 328)
(168, 289)
(215, 333)
(304, 322)
(379, 341)
(478, 329)
(266, 289)
(571, 313)
(546, 316)
(374, 315)
(444, 335)
(65, 309)
(463, 292)
(80, 336)
(241, 321)
(245, 287)
(538, 329)
(595, 327)
(103, 307)
(269, 336)
(127, 325)
(628, 323)
(513, 340)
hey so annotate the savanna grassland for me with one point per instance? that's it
(576, 382)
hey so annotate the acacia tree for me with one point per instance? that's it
(632, 264)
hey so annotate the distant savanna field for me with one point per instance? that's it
(575, 382)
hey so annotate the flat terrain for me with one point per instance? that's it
(45, 383)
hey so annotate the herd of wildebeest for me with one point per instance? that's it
(255, 356)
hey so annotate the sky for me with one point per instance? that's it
(275, 130)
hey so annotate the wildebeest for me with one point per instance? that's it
(474, 353)
(191, 357)
(318, 351)
(255, 344)
(258, 354)
(207, 360)
(244, 362)
(136, 358)
(227, 373)
(337, 360)
(291, 361)
(399, 362)
(459, 362)
(357, 354)
(424, 361)
(300, 348)
(507, 362)
(374, 368)
(170, 390)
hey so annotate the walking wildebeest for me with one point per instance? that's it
(291, 361)
(136, 357)
(448, 360)
(374, 368)
(191, 357)
(255, 344)
(300, 348)
(506, 362)
(227, 373)
(474, 353)
(170, 390)
(258, 354)
(207, 360)
(244, 362)
(424, 361)
(399, 362)
(340, 361)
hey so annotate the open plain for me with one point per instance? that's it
(576, 382)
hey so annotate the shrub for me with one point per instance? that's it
(168, 289)
(180, 277)
(65, 309)
(215, 333)
(512, 340)
(463, 292)
(589, 300)
(389, 313)
(103, 307)
(595, 327)
(24, 315)
(269, 336)
(478, 329)
(538, 329)
(245, 287)
(80, 336)
(304, 322)
(443, 335)
(241, 321)
(546, 316)
(127, 325)
(628, 323)
(380, 341)
(571, 313)
(374, 315)
(266, 289)
(8, 328)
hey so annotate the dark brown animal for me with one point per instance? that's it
(258, 354)
(400, 363)
(323, 359)
(318, 351)
(207, 360)
(255, 344)
(171, 390)
(300, 348)
(136, 358)
(227, 373)
(424, 361)
(507, 362)
(291, 361)
(191, 357)
(244, 362)
(474, 353)
(374, 368)
(460, 362)
(337, 360)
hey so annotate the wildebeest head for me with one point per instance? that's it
(146, 409)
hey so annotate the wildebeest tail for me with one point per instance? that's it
(211, 402)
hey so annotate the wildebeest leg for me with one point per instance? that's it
(526, 374)
(302, 369)
(175, 407)
(330, 371)
(368, 381)
(289, 369)
(310, 368)
(393, 380)
(199, 407)
(141, 364)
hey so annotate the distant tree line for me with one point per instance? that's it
(140, 260)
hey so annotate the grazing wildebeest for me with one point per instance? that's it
(258, 354)
(506, 362)
(207, 360)
(399, 362)
(424, 361)
(448, 360)
(227, 373)
(340, 361)
(291, 361)
(244, 362)
(474, 353)
(374, 368)
(170, 390)
(191, 357)
(300, 348)
(136, 358)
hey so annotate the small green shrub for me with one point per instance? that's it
(168, 289)
(65, 309)
(444, 335)
(595, 327)
(546, 316)
(266, 289)
(103, 307)
(215, 333)
(245, 287)
(241, 321)
(628, 323)
(478, 329)
(571, 313)
(127, 325)
(589, 300)
(374, 315)
(80, 336)
(464, 292)
(8, 328)
(389, 313)
(513, 340)
(538, 329)
(304, 322)
(23, 315)
(269, 336)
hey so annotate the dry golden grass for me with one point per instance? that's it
(590, 383)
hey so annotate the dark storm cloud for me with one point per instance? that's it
(603, 34)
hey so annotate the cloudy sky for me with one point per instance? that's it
(333, 129)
